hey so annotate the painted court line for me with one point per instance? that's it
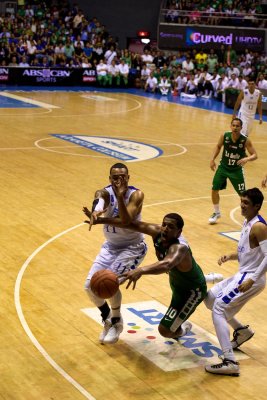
(29, 101)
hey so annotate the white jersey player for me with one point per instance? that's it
(250, 100)
(123, 249)
(226, 298)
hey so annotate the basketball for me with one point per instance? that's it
(104, 284)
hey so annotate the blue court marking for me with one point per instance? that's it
(7, 102)
(204, 104)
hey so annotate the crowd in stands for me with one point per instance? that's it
(61, 35)
(248, 13)
(203, 74)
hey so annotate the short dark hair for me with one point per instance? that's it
(255, 196)
(118, 165)
(179, 220)
(238, 119)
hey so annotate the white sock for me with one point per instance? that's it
(217, 208)
(223, 335)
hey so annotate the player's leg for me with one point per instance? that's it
(126, 260)
(219, 183)
(175, 322)
(237, 179)
(103, 260)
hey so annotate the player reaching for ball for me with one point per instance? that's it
(187, 281)
(123, 249)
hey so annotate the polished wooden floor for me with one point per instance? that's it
(49, 348)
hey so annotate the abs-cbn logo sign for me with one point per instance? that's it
(3, 74)
(46, 73)
(89, 75)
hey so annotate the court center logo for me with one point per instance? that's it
(141, 320)
(122, 149)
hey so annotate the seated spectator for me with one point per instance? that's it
(243, 84)
(145, 72)
(147, 57)
(191, 86)
(247, 70)
(262, 82)
(180, 83)
(151, 83)
(23, 62)
(212, 62)
(13, 62)
(124, 71)
(102, 71)
(205, 88)
(233, 82)
(113, 73)
(165, 71)
(188, 65)
(232, 70)
(85, 63)
(164, 85)
(160, 59)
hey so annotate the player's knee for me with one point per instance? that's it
(163, 331)
(209, 300)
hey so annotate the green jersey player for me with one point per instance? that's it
(231, 165)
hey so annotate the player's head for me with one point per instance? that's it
(251, 202)
(118, 172)
(236, 125)
(251, 84)
(172, 226)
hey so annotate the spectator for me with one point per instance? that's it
(102, 71)
(262, 82)
(113, 73)
(151, 83)
(164, 85)
(124, 71)
(188, 65)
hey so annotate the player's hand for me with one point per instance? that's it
(242, 162)
(120, 186)
(131, 276)
(223, 259)
(264, 182)
(212, 165)
(93, 216)
(245, 286)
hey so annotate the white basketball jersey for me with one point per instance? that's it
(249, 259)
(120, 237)
(249, 103)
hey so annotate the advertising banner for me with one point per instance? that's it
(175, 36)
(48, 76)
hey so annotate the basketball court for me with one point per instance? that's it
(57, 147)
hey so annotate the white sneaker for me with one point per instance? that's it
(213, 218)
(107, 325)
(213, 277)
(205, 96)
(241, 335)
(113, 333)
(227, 367)
(186, 327)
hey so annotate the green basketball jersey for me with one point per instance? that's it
(233, 151)
(178, 279)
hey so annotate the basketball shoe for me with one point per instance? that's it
(113, 333)
(107, 325)
(241, 335)
(213, 277)
(226, 367)
(213, 218)
(185, 328)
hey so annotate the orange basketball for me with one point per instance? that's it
(104, 284)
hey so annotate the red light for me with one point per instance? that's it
(143, 34)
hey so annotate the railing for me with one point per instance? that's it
(196, 17)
